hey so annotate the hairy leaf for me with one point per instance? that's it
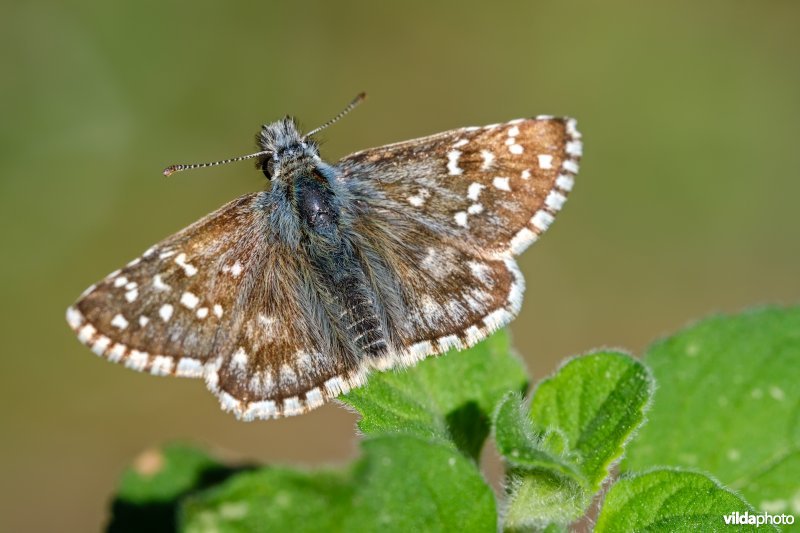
(450, 398)
(729, 403)
(669, 500)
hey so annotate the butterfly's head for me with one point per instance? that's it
(283, 146)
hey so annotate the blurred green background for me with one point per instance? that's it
(686, 203)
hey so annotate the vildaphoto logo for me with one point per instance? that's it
(746, 518)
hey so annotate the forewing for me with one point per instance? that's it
(494, 188)
(224, 301)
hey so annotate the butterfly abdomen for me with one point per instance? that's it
(360, 318)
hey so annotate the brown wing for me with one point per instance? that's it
(448, 213)
(494, 188)
(223, 301)
(452, 297)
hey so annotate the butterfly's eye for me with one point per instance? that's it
(268, 167)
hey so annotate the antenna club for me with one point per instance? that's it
(170, 170)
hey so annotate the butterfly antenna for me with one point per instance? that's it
(172, 169)
(357, 100)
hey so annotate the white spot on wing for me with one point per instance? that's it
(526, 174)
(448, 342)
(516, 149)
(161, 366)
(189, 367)
(475, 209)
(120, 281)
(131, 295)
(119, 321)
(263, 410)
(262, 383)
(189, 270)
(501, 183)
(143, 320)
(488, 159)
(570, 166)
(101, 344)
(86, 333)
(565, 183)
(239, 359)
(572, 129)
(419, 199)
(545, 161)
(117, 352)
(292, 406)
(481, 271)
(420, 350)
(542, 220)
(218, 310)
(236, 269)
(575, 148)
(335, 386)
(461, 218)
(513, 131)
(158, 283)
(202, 312)
(268, 323)
(416, 201)
(165, 312)
(228, 402)
(189, 300)
(555, 200)
(474, 190)
(452, 163)
(474, 334)
(459, 143)
(497, 319)
(304, 361)
(74, 318)
(137, 360)
(522, 240)
(314, 398)
(287, 376)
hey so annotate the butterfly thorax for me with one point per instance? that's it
(311, 213)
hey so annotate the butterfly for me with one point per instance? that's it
(286, 298)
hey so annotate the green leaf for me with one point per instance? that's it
(151, 488)
(578, 424)
(729, 403)
(539, 500)
(522, 448)
(450, 398)
(593, 404)
(402, 483)
(669, 500)
(543, 487)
